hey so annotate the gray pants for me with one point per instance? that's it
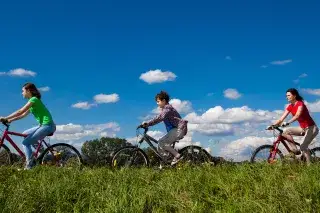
(309, 134)
(166, 141)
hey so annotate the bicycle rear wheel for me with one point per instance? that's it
(129, 156)
(5, 156)
(61, 155)
(262, 155)
(315, 155)
(195, 155)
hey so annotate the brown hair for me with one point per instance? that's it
(295, 92)
(33, 90)
(163, 96)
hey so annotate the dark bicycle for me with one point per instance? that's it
(134, 156)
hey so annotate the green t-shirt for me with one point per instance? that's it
(40, 112)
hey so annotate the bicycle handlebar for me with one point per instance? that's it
(5, 122)
(143, 127)
(272, 127)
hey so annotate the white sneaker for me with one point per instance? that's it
(176, 160)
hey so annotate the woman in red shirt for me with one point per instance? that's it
(300, 113)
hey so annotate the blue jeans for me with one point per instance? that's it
(34, 135)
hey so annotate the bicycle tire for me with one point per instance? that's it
(5, 156)
(315, 159)
(189, 155)
(58, 156)
(252, 160)
(116, 163)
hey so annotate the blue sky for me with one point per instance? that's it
(80, 49)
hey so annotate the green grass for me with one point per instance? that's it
(226, 188)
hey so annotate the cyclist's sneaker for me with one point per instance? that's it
(30, 164)
(272, 161)
(176, 160)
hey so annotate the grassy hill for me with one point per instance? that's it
(224, 188)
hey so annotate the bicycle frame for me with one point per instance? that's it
(149, 141)
(276, 143)
(6, 136)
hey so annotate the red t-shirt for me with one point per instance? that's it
(305, 119)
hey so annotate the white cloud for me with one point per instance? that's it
(44, 89)
(228, 58)
(181, 106)
(83, 105)
(187, 141)
(132, 140)
(304, 75)
(69, 128)
(212, 129)
(217, 121)
(208, 149)
(232, 115)
(103, 98)
(313, 107)
(241, 149)
(157, 76)
(232, 94)
(264, 66)
(19, 73)
(104, 134)
(311, 91)
(283, 62)
(74, 132)
(155, 134)
(146, 118)
(99, 99)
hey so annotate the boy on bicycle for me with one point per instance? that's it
(175, 125)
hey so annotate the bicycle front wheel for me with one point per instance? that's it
(129, 156)
(5, 156)
(262, 155)
(61, 155)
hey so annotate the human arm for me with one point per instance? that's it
(24, 111)
(18, 117)
(284, 115)
(159, 118)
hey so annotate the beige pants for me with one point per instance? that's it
(309, 134)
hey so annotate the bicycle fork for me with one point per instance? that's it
(273, 152)
(132, 158)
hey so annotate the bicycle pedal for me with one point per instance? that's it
(273, 161)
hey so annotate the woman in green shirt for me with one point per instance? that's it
(41, 114)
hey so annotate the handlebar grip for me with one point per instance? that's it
(5, 122)
(143, 127)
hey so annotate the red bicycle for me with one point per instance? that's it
(272, 153)
(59, 154)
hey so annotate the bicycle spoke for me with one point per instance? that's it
(62, 155)
(129, 156)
